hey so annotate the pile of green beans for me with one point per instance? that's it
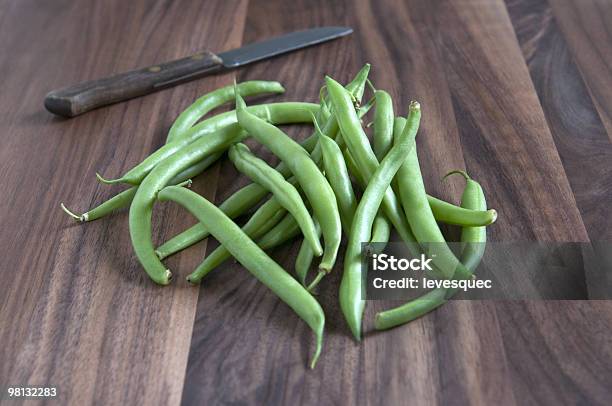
(335, 184)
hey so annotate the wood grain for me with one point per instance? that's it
(77, 310)
(514, 93)
(541, 331)
(586, 28)
(578, 132)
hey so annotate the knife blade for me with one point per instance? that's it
(83, 97)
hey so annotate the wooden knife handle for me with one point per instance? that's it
(78, 99)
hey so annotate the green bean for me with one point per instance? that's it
(279, 233)
(206, 128)
(285, 230)
(216, 98)
(450, 214)
(354, 171)
(107, 207)
(420, 217)
(355, 89)
(383, 140)
(234, 206)
(311, 287)
(335, 163)
(305, 255)
(243, 199)
(142, 205)
(474, 239)
(383, 124)
(360, 149)
(304, 258)
(198, 168)
(123, 199)
(266, 217)
(357, 86)
(381, 231)
(253, 259)
(313, 183)
(288, 229)
(351, 300)
(286, 194)
(444, 212)
(409, 311)
(337, 174)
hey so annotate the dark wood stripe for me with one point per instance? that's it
(579, 134)
(586, 28)
(77, 310)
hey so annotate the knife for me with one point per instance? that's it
(83, 97)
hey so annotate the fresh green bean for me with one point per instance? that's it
(142, 205)
(123, 199)
(285, 230)
(354, 171)
(335, 163)
(381, 229)
(420, 217)
(383, 124)
(383, 141)
(339, 179)
(220, 122)
(234, 206)
(474, 239)
(311, 287)
(409, 311)
(444, 212)
(313, 183)
(252, 258)
(243, 199)
(304, 258)
(381, 232)
(198, 168)
(216, 98)
(448, 213)
(351, 301)
(337, 174)
(262, 221)
(305, 255)
(107, 207)
(355, 90)
(286, 194)
(359, 147)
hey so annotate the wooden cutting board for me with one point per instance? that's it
(518, 93)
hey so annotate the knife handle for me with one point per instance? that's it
(83, 97)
